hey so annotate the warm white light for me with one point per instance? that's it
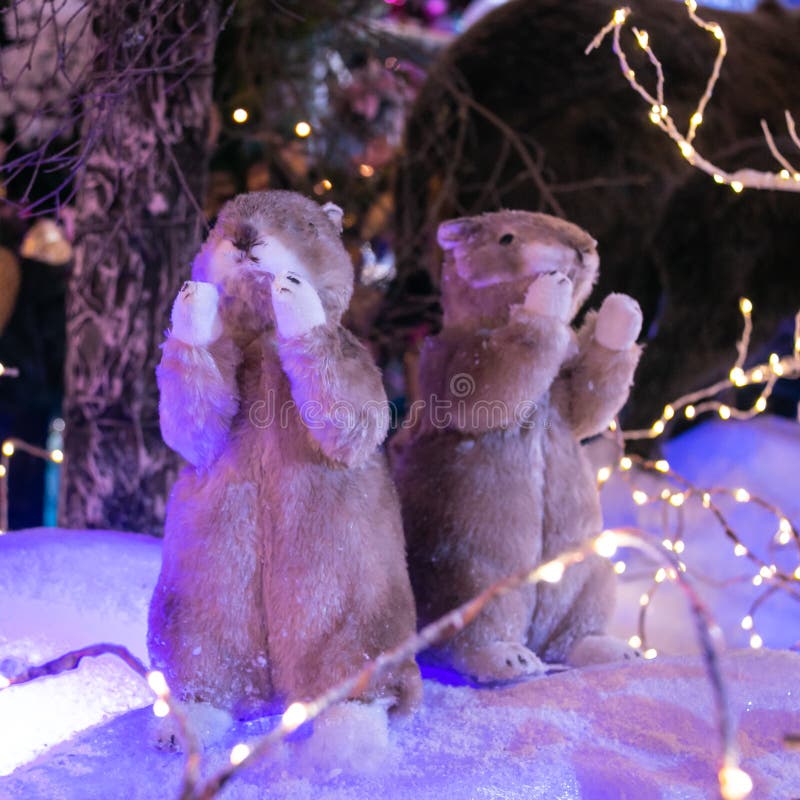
(650, 654)
(747, 623)
(620, 15)
(739, 549)
(295, 716)
(603, 474)
(742, 495)
(240, 115)
(761, 404)
(718, 178)
(661, 575)
(239, 753)
(8, 448)
(697, 119)
(745, 305)
(797, 574)
(625, 463)
(687, 151)
(161, 707)
(606, 544)
(734, 783)
(658, 427)
(667, 544)
(765, 572)
(784, 531)
(737, 186)
(643, 39)
(57, 456)
(669, 412)
(620, 567)
(737, 377)
(2, 471)
(302, 129)
(756, 641)
(724, 412)
(644, 600)
(366, 170)
(677, 499)
(662, 465)
(718, 32)
(639, 497)
(551, 572)
(706, 500)
(689, 412)
(757, 376)
(757, 580)
(679, 546)
(4, 682)
(157, 682)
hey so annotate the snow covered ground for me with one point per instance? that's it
(642, 730)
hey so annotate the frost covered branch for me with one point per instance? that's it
(786, 180)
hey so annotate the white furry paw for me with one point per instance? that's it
(195, 314)
(551, 296)
(296, 304)
(618, 322)
(601, 649)
(502, 661)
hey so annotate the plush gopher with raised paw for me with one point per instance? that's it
(284, 567)
(493, 478)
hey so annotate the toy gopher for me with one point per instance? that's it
(493, 478)
(284, 567)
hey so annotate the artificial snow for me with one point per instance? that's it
(638, 730)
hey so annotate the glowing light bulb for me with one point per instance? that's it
(650, 654)
(620, 567)
(689, 412)
(679, 546)
(2, 369)
(742, 496)
(737, 377)
(2, 471)
(366, 170)
(294, 716)
(603, 474)
(797, 574)
(8, 448)
(161, 707)
(606, 544)
(718, 178)
(658, 427)
(551, 572)
(757, 375)
(757, 580)
(724, 412)
(57, 456)
(747, 623)
(761, 404)
(643, 38)
(635, 641)
(706, 500)
(660, 575)
(745, 306)
(756, 641)
(691, 5)
(669, 412)
(239, 753)
(662, 465)
(157, 682)
(620, 15)
(737, 186)
(718, 33)
(667, 544)
(739, 550)
(302, 129)
(677, 499)
(784, 531)
(687, 151)
(625, 463)
(240, 115)
(734, 783)
(639, 497)
(697, 119)
(644, 600)
(765, 572)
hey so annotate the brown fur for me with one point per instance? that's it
(487, 494)
(284, 568)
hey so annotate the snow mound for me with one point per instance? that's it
(643, 730)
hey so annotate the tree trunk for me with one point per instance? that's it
(139, 224)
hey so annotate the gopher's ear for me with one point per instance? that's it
(334, 214)
(453, 231)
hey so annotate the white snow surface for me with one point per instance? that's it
(643, 730)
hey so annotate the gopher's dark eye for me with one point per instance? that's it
(506, 238)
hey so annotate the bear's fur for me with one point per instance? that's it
(686, 248)
(501, 483)
(284, 568)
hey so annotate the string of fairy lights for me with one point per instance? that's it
(787, 179)
(678, 491)
(734, 782)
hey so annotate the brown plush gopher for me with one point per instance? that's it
(493, 478)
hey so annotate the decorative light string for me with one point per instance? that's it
(8, 449)
(786, 180)
(693, 404)
(734, 783)
(8, 372)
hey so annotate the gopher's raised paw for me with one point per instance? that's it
(601, 649)
(500, 662)
(195, 314)
(551, 296)
(619, 322)
(296, 305)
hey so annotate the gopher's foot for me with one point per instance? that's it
(601, 649)
(500, 662)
